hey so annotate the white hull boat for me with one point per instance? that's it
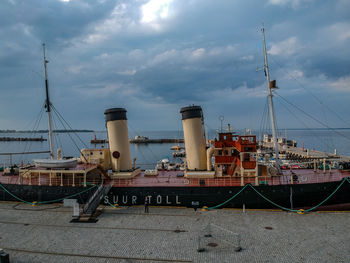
(50, 163)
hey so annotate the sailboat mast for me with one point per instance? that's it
(48, 106)
(269, 97)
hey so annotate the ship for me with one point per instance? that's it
(224, 173)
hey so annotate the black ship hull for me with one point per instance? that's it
(288, 196)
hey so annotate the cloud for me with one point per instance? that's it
(102, 30)
(285, 48)
(128, 72)
(342, 84)
(147, 55)
(154, 12)
(198, 53)
(102, 91)
(293, 3)
(240, 92)
(75, 69)
(339, 31)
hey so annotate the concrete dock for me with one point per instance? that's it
(44, 234)
(301, 153)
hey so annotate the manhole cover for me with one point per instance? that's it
(212, 245)
(268, 227)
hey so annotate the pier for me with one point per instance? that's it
(293, 152)
(139, 141)
(156, 140)
(98, 141)
(22, 139)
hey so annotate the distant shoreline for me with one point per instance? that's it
(237, 129)
(318, 129)
(44, 131)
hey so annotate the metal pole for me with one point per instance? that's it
(271, 108)
(48, 106)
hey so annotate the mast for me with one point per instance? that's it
(48, 106)
(270, 86)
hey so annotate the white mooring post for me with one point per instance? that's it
(314, 165)
(242, 169)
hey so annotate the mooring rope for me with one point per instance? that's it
(279, 206)
(45, 202)
(346, 179)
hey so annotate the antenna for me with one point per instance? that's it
(221, 118)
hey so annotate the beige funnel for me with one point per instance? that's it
(192, 121)
(117, 128)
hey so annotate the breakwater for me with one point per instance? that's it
(156, 140)
(25, 139)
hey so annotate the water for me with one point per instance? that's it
(147, 155)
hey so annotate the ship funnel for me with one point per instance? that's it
(117, 129)
(192, 121)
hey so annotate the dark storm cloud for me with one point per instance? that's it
(53, 21)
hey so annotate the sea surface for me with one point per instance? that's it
(147, 155)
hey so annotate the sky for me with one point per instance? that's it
(153, 57)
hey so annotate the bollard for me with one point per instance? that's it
(4, 257)
(200, 248)
(238, 247)
(314, 165)
(76, 210)
(208, 231)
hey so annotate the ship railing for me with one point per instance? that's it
(236, 181)
(53, 181)
(7, 161)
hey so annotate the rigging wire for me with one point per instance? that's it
(69, 134)
(312, 94)
(262, 122)
(71, 129)
(57, 137)
(28, 145)
(323, 106)
(313, 118)
(304, 124)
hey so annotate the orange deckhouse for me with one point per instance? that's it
(234, 155)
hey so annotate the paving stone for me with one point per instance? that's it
(44, 234)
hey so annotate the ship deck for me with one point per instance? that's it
(79, 177)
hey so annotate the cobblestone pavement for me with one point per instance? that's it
(44, 234)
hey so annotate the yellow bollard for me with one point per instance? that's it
(204, 208)
(301, 211)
